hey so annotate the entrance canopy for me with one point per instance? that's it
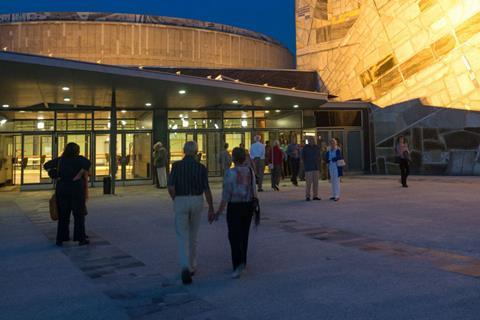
(29, 81)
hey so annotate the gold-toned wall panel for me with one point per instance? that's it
(394, 50)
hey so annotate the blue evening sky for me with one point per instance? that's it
(275, 18)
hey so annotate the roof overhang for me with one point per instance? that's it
(29, 80)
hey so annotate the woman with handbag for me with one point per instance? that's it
(70, 171)
(403, 158)
(335, 163)
(240, 199)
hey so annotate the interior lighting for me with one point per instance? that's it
(65, 88)
(175, 127)
(40, 125)
(3, 121)
(108, 125)
(22, 111)
(216, 126)
(267, 111)
(244, 123)
(5, 106)
(244, 115)
(123, 122)
(194, 110)
(295, 106)
(277, 111)
(185, 123)
(148, 104)
(181, 115)
(67, 99)
(124, 111)
(235, 101)
(182, 91)
(268, 98)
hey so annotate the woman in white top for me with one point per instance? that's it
(332, 157)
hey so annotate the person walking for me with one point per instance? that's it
(187, 183)
(70, 172)
(276, 165)
(237, 197)
(311, 160)
(160, 160)
(225, 159)
(323, 162)
(257, 154)
(403, 155)
(293, 156)
(335, 169)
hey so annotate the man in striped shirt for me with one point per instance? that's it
(187, 183)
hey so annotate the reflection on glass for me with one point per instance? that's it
(37, 151)
(83, 141)
(102, 156)
(138, 150)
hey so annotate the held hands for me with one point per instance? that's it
(211, 216)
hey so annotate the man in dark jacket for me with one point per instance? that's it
(311, 160)
(160, 160)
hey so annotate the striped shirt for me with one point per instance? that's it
(189, 177)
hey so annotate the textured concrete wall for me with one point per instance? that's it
(389, 51)
(142, 44)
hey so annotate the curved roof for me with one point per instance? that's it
(130, 18)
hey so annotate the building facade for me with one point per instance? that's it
(140, 40)
(390, 51)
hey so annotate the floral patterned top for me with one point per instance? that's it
(238, 184)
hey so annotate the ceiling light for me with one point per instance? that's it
(175, 127)
(40, 125)
(216, 126)
(22, 111)
(235, 101)
(277, 111)
(267, 111)
(268, 98)
(65, 88)
(194, 110)
(66, 99)
(40, 118)
(5, 106)
(185, 123)
(295, 106)
(148, 104)
(244, 123)
(182, 91)
(123, 122)
(3, 121)
(124, 111)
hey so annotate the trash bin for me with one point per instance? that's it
(107, 185)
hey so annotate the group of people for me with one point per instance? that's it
(188, 184)
(310, 157)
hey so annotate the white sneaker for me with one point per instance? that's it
(236, 274)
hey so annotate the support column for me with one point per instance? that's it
(113, 139)
(160, 127)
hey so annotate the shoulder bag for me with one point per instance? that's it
(52, 203)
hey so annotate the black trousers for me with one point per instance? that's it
(239, 218)
(294, 168)
(68, 203)
(404, 171)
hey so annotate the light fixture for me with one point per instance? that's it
(277, 111)
(40, 118)
(67, 99)
(267, 111)
(295, 106)
(216, 126)
(40, 125)
(175, 127)
(181, 115)
(143, 127)
(65, 88)
(182, 91)
(194, 110)
(148, 104)
(244, 115)
(124, 111)
(123, 122)
(268, 98)
(22, 111)
(3, 121)
(108, 125)
(235, 101)
(244, 123)
(185, 123)
(5, 106)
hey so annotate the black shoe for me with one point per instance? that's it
(307, 199)
(276, 188)
(186, 276)
(332, 198)
(260, 190)
(405, 186)
(83, 242)
(336, 199)
(316, 198)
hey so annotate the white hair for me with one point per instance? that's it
(190, 148)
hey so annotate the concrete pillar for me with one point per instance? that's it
(113, 139)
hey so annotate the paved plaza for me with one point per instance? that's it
(382, 252)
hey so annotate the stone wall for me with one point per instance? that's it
(390, 51)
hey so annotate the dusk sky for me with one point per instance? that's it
(272, 17)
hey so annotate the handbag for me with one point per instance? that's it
(341, 163)
(52, 203)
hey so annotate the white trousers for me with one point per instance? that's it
(162, 177)
(334, 180)
(188, 212)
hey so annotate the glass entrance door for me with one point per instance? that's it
(83, 140)
(37, 149)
